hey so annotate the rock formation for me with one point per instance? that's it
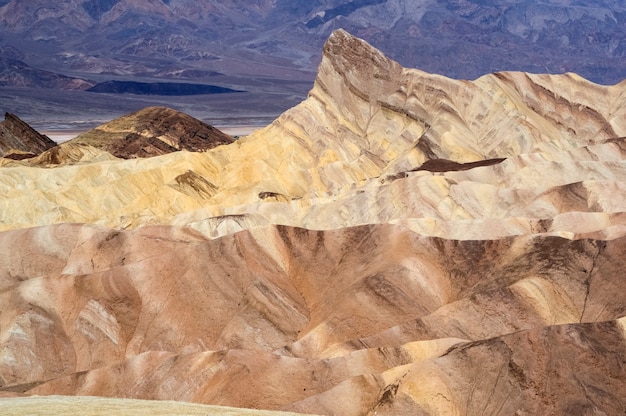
(153, 131)
(19, 140)
(398, 243)
(366, 120)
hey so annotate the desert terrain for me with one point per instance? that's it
(399, 242)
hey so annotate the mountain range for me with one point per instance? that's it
(399, 242)
(272, 46)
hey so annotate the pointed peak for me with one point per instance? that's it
(18, 135)
(342, 43)
(349, 55)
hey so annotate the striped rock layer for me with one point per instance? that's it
(398, 243)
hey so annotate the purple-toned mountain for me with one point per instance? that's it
(282, 38)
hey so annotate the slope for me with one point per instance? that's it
(153, 131)
(18, 137)
(365, 117)
(285, 318)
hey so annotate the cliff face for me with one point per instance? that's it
(18, 137)
(398, 243)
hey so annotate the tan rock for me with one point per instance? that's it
(365, 118)
(398, 243)
(285, 318)
(100, 406)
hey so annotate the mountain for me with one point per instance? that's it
(390, 121)
(398, 243)
(14, 72)
(264, 47)
(271, 49)
(18, 139)
(461, 39)
(150, 132)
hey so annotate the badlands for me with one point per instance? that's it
(398, 243)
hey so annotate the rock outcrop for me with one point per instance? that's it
(398, 243)
(291, 319)
(19, 140)
(153, 131)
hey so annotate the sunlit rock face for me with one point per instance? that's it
(366, 120)
(398, 243)
(292, 319)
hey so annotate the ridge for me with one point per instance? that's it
(17, 135)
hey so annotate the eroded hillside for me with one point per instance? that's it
(398, 243)
(366, 118)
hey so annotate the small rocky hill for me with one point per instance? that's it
(153, 131)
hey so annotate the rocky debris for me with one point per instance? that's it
(18, 139)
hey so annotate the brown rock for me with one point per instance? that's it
(285, 318)
(151, 132)
(18, 139)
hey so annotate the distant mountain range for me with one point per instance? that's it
(282, 38)
(268, 45)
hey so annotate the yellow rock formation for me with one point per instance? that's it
(366, 119)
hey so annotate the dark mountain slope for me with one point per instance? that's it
(18, 138)
(461, 39)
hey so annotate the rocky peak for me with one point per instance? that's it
(365, 70)
(359, 91)
(17, 135)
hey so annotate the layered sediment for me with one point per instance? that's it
(398, 243)
(18, 140)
